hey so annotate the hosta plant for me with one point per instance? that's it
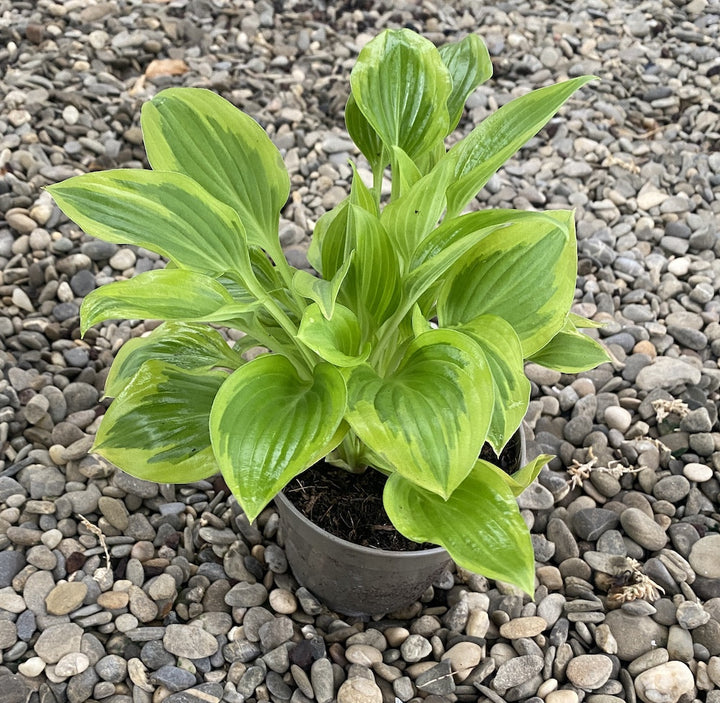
(404, 354)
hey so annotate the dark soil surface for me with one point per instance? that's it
(350, 506)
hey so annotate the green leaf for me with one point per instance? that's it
(479, 524)
(570, 351)
(428, 419)
(522, 478)
(503, 352)
(337, 339)
(401, 86)
(410, 218)
(198, 133)
(372, 285)
(469, 64)
(524, 275)
(267, 425)
(187, 346)
(164, 212)
(365, 137)
(360, 194)
(420, 324)
(320, 291)
(404, 172)
(183, 296)
(583, 323)
(157, 427)
(500, 135)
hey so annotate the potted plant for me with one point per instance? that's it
(403, 355)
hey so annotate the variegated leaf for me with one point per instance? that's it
(479, 524)
(164, 212)
(164, 294)
(524, 275)
(157, 427)
(188, 346)
(268, 425)
(198, 133)
(401, 86)
(429, 419)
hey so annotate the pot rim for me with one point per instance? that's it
(288, 505)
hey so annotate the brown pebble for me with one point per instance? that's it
(523, 627)
(113, 600)
(65, 597)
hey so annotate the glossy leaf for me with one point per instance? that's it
(405, 172)
(581, 322)
(479, 524)
(320, 291)
(410, 219)
(187, 346)
(401, 86)
(268, 425)
(371, 286)
(469, 64)
(198, 133)
(365, 137)
(503, 352)
(326, 258)
(570, 351)
(526, 276)
(428, 419)
(500, 135)
(164, 212)
(337, 339)
(157, 427)
(175, 294)
(523, 477)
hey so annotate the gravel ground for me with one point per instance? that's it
(198, 606)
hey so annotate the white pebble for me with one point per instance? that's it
(697, 472)
(665, 683)
(618, 418)
(32, 667)
(71, 115)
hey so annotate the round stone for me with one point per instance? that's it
(523, 627)
(697, 472)
(188, 641)
(65, 597)
(58, 640)
(562, 696)
(113, 600)
(635, 634)
(31, 667)
(704, 557)
(463, 657)
(359, 690)
(282, 601)
(589, 671)
(114, 511)
(415, 648)
(8, 634)
(363, 654)
(72, 664)
(618, 418)
(112, 668)
(643, 529)
(246, 595)
(516, 671)
(665, 683)
(672, 488)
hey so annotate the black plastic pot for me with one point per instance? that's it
(356, 580)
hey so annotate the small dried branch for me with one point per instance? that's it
(99, 534)
(664, 407)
